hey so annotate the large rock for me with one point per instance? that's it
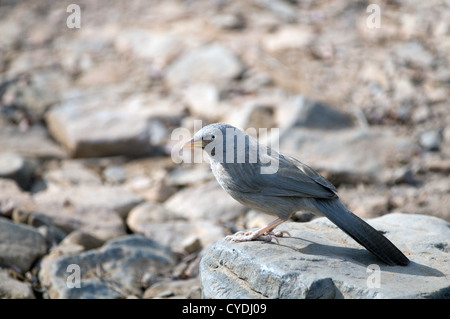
(321, 261)
(121, 268)
(207, 201)
(148, 213)
(97, 221)
(157, 222)
(209, 64)
(302, 112)
(20, 245)
(97, 210)
(107, 123)
(90, 129)
(116, 198)
(71, 173)
(351, 155)
(34, 142)
(182, 236)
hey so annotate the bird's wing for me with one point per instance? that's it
(294, 178)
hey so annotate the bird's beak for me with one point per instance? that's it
(191, 144)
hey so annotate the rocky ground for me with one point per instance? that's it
(88, 186)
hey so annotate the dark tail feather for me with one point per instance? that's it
(362, 232)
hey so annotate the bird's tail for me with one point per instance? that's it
(362, 232)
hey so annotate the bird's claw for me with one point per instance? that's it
(256, 235)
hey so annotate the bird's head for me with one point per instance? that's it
(229, 145)
(213, 138)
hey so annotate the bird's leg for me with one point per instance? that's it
(266, 233)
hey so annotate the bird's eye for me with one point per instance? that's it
(213, 137)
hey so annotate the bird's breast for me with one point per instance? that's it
(223, 176)
(232, 177)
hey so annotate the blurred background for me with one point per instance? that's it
(91, 91)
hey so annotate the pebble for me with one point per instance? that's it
(20, 245)
(14, 167)
(12, 288)
(431, 140)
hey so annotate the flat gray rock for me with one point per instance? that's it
(349, 156)
(321, 261)
(212, 63)
(35, 142)
(120, 268)
(315, 115)
(87, 129)
(116, 198)
(207, 201)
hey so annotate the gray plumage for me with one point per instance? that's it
(292, 186)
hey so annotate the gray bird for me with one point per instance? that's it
(268, 181)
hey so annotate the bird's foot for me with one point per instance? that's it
(246, 236)
(268, 236)
(257, 235)
(280, 233)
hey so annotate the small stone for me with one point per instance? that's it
(165, 289)
(146, 213)
(71, 173)
(415, 53)
(12, 198)
(229, 21)
(191, 244)
(20, 245)
(255, 115)
(114, 174)
(14, 167)
(431, 140)
(82, 238)
(438, 165)
(11, 288)
(288, 37)
(202, 100)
